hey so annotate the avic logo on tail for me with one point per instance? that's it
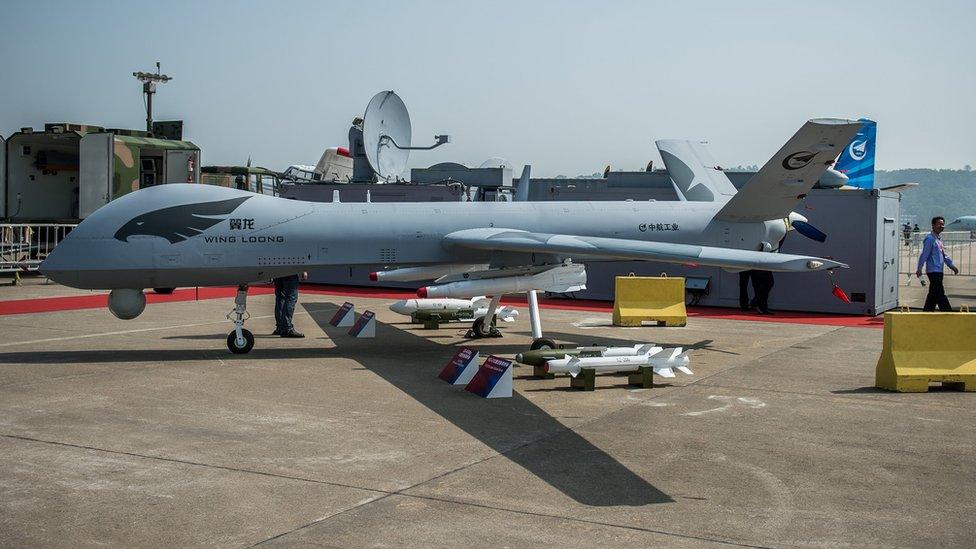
(858, 149)
(857, 160)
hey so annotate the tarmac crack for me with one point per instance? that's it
(584, 521)
(402, 492)
(192, 463)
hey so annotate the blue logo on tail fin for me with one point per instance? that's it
(857, 160)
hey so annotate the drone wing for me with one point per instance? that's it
(512, 240)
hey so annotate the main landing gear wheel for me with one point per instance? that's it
(542, 343)
(240, 347)
(481, 329)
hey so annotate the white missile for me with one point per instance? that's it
(573, 365)
(665, 365)
(451, 309)
(638, 349)
(565, 278)
(409, 274)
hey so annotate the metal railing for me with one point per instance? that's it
(23, 246)
(959, 245)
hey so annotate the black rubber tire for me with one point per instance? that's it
(478, 327)
(248, 342)
(164, 291)
(542, 343)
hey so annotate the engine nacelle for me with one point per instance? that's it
(832, 179)
(126, 304)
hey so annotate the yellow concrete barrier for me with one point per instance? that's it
(923, 348)
(637, 299)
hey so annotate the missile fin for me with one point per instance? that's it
(664, 372)
(644, 349)
(685, 369)
(573, 366)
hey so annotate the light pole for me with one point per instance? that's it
(149, 80)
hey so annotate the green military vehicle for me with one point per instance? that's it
(67, 171)
(245, 178)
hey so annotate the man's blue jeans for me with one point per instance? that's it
(286, 296)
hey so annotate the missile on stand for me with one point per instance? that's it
(409, 274)
(565, 278)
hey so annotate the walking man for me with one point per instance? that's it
(286, 296)
(934, 258)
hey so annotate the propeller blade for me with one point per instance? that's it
(840, 294)
(809, 231)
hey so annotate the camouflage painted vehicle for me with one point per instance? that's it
(67, 171)
(245, 178)
(145, 161)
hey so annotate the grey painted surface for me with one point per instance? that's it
(45, 195)
(356, 192)
(97, 172)
(189, 235)
(853, 221)
(477, 177)
(151, 438)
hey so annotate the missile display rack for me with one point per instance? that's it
(586, 379)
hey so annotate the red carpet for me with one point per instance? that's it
(94, 301)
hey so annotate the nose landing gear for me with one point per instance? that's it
(240, 341)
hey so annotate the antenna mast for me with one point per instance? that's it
(149, 80)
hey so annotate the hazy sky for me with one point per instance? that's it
(566, 86)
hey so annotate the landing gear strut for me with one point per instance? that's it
(485, 326)
(538, 342)
(240, 341)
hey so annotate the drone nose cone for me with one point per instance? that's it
(57, 265)
(422, 292)
(399, 307)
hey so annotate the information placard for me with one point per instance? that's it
(365, 326)
(461, 368)
(345, 316)
(493, 379)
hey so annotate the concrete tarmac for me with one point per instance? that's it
(150, 433)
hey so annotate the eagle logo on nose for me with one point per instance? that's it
(177, 223)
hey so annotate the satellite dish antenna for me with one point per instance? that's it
(386, 135)
(386, 124)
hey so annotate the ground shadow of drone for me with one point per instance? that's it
(513, 427)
